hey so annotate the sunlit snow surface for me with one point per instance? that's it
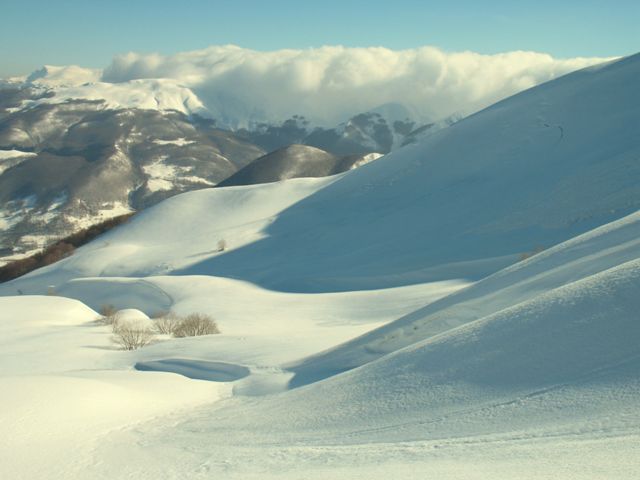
(382, 323)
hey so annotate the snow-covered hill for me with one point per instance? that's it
(296, 161)
(563, 270)
(547, 348)
(465, 307)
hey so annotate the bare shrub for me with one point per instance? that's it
(131, 337)
(166, 322)
(194, 325)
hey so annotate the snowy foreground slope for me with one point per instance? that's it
(354, 344)
(543, 388)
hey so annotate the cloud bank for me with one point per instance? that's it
(330, 84)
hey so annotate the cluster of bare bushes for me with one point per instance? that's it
(132, 335)
(192, 325)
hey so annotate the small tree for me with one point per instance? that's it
(194, 325)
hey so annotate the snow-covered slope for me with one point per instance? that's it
(176, 233)
(60, 393)
(554, 362)
(543, 275)
(529, 172)
(554, 374)
(536, 386)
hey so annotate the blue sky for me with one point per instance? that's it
(90, 32)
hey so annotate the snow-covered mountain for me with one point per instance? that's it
(464, 307)
(66, 166)
(73, 154)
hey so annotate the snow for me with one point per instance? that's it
(574, 260)
(108, 210)
(381, 323)
(11, 158)
(544, 387)
(132, 317)
(161, 176)
(180, 142)
(238, 215)
(9, 154)
(15, 210)
(366, 159)
(72, 389)
(149, 94)
(8, 219)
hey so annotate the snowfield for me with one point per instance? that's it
(463, 308)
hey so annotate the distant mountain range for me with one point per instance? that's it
(73, 154)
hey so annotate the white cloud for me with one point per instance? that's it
(329, 84)
(70, 75)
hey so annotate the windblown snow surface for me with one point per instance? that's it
(388, 322)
